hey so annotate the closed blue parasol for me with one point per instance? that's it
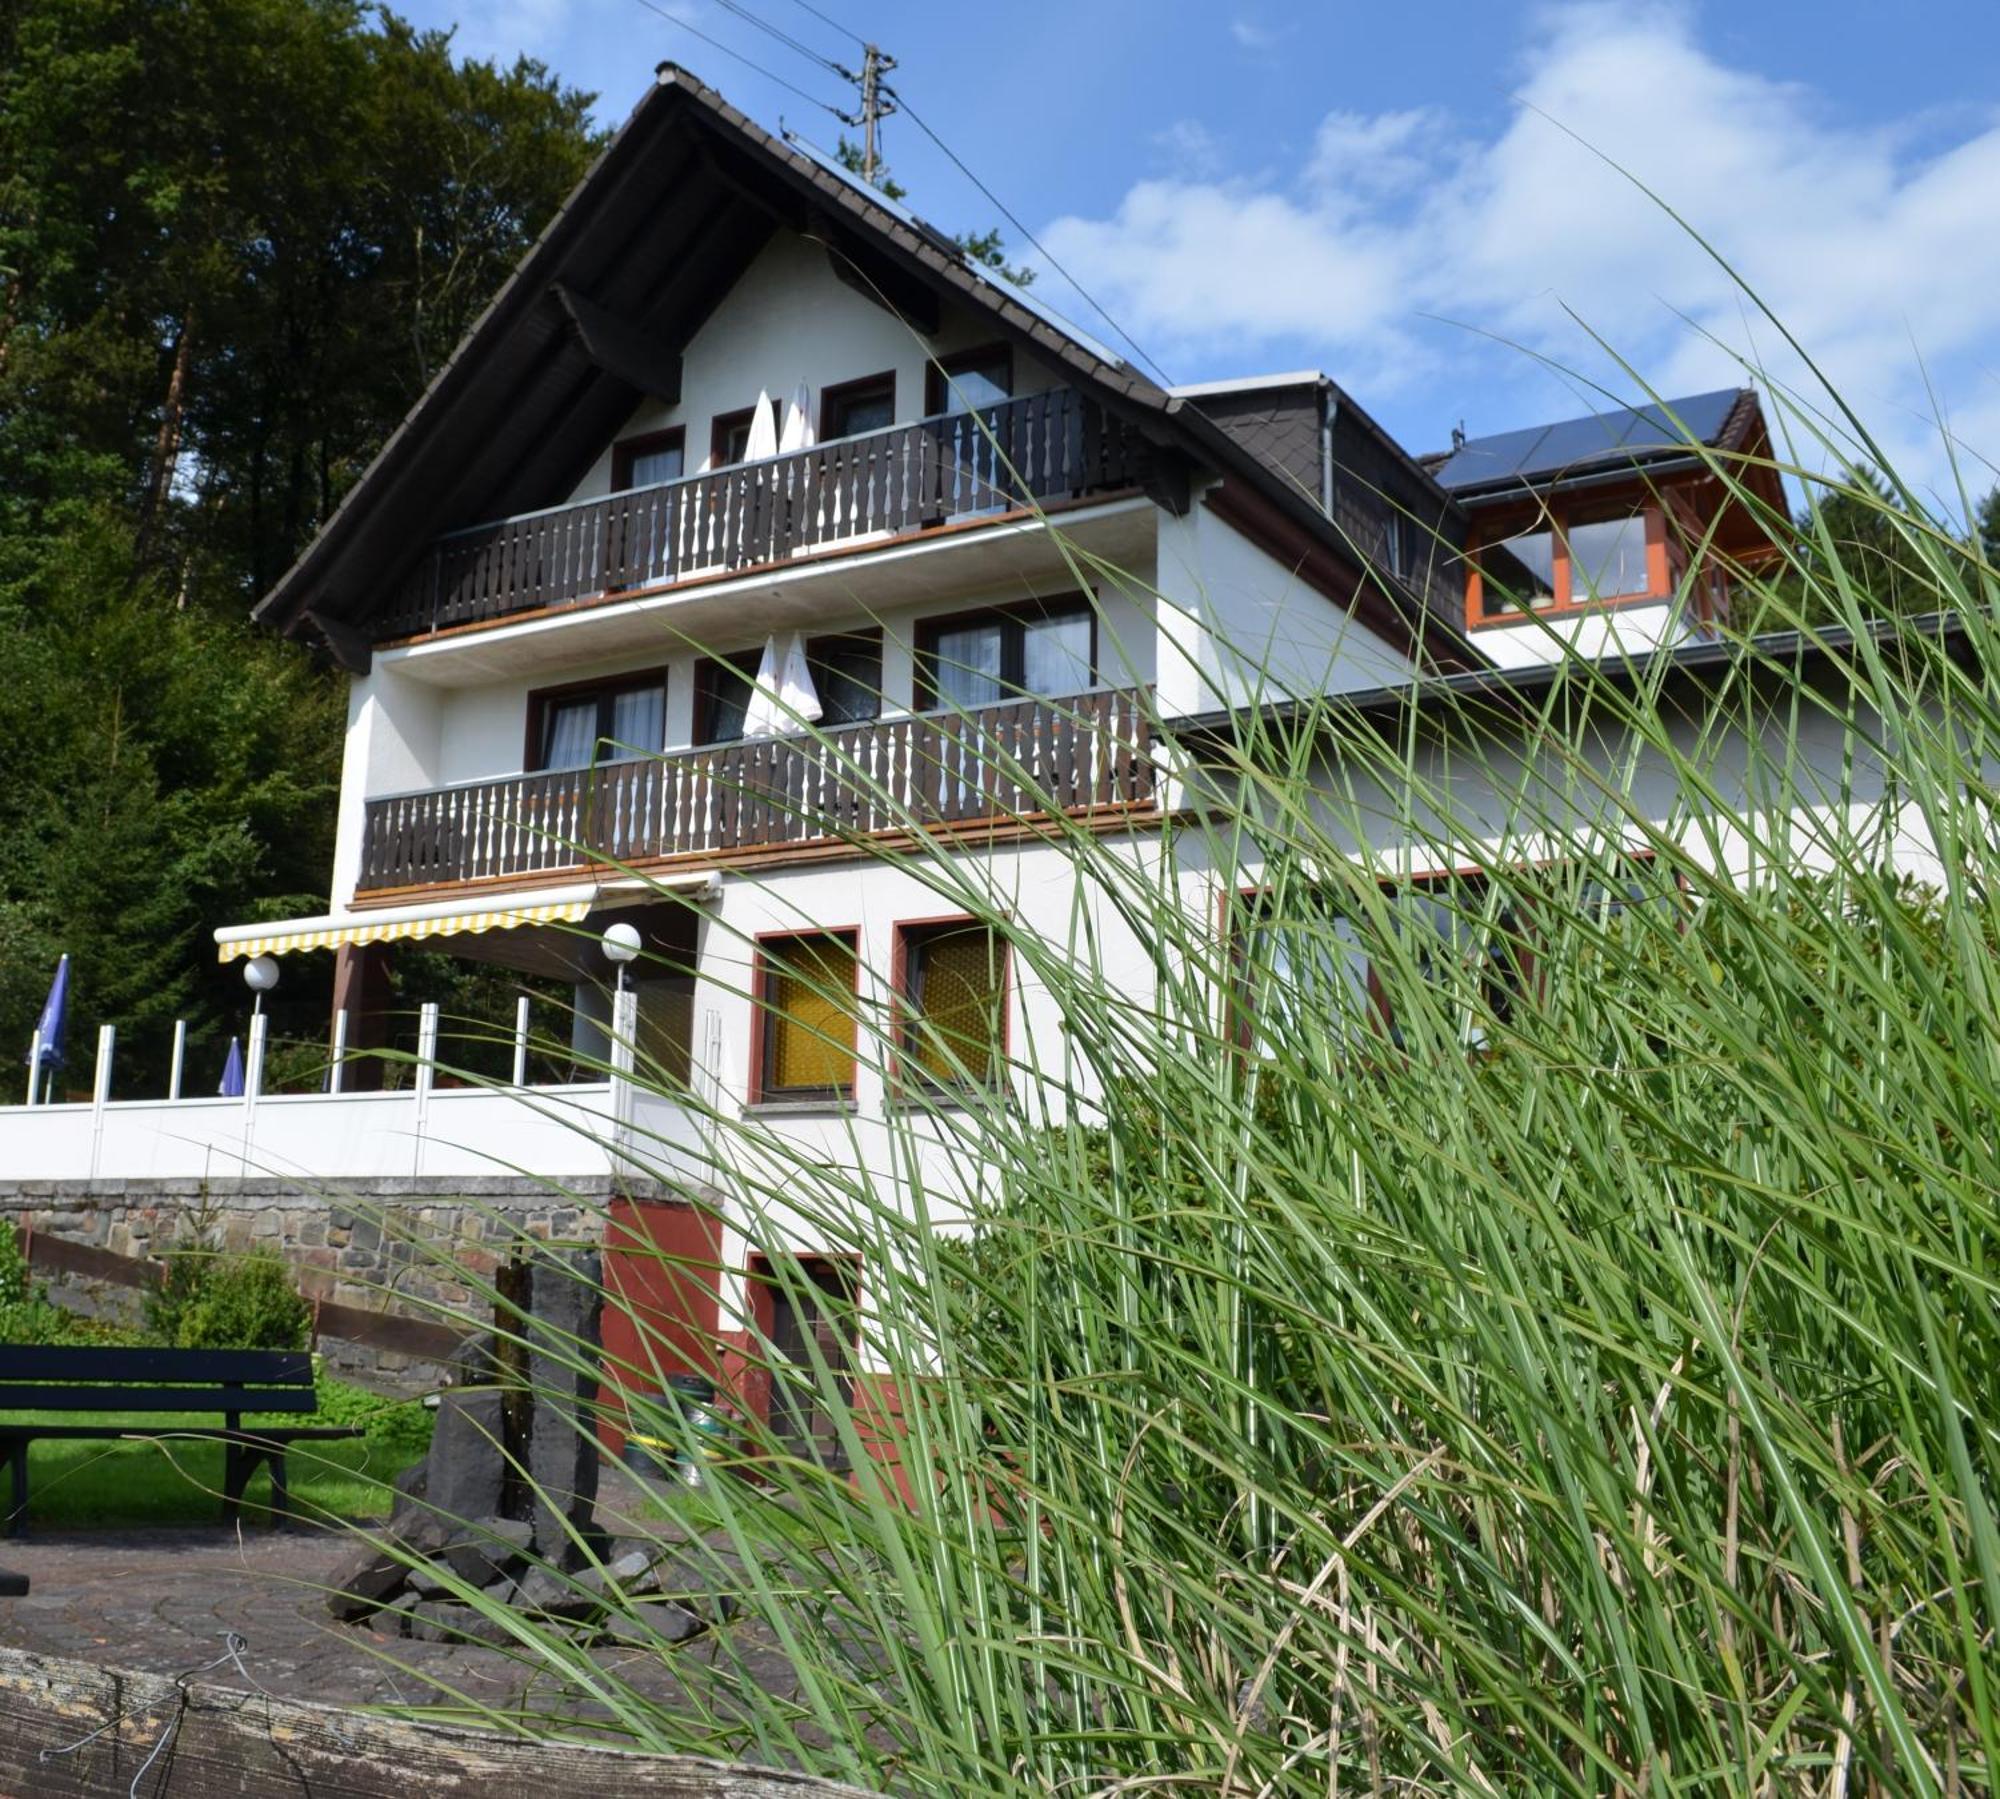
(232, 1072)
(55, 1015)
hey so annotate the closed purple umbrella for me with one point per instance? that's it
(232, 1072)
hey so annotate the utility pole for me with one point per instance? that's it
(875, 104)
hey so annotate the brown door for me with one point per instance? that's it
(812, 1309)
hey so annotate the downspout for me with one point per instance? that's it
(1329, 407)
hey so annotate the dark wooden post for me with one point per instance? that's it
(361, 990)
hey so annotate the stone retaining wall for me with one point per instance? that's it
(393, 1245)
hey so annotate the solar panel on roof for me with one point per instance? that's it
(1539, 451)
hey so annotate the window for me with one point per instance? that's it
(969, 381)
(977, 658)
(847, 675)
(729, 436)
(857, 406)
(846, 672)
(951, 1003)
(647, 461)
(805, 1015)
(599, 721)
(1571, 557)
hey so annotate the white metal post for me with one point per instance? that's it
(100, 1091)
(521, 1008)
(34, 1064)
(253, 1082)
(339, 1050)
(624, 1042)
(427, 1048)
(180, 1058)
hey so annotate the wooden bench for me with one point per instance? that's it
(133, 1382)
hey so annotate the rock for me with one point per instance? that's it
(651, 1623)
(427, 1579)
(489, 1550)
(444, 1621)
(467, 1468)
(565, 1298)
(412, 1485)
(362, 1583)
(548, 1594)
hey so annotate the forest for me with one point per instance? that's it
(237, 237)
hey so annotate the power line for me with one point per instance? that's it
(835, 23)
(994, 200)
(786, 38)
(717, 44)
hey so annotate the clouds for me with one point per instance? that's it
(1871, 244)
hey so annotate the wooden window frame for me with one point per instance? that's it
(1560, 515)
(929, 630)
(759, 1087)
(606, 687)
(704, 680)
(913, 1084)
(628, 450)
(940, 369)
(831, 399)
(722, 424)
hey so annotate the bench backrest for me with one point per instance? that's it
(47, 1378)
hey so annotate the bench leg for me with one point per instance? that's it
(236, 1466)
(281, 1497)
(17, 1492)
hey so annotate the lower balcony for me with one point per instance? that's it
(939, 772)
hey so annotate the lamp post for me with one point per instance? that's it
(260, 975)
(621, 948)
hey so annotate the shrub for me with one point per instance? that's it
(238, 1302)
(398, 1427)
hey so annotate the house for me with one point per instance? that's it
(743, 445)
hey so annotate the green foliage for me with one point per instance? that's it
(237, 237)
(399, 1428)
(228, 1302)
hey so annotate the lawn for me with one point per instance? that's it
(74, 1484)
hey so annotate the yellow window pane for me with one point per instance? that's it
(955, 1002)
(809, 1014)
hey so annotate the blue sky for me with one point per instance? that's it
(1398, 194)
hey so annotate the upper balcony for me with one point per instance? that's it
(984, 769)
(1039, 450)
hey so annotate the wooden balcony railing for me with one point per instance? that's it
(1040, 447)
(1024, 758)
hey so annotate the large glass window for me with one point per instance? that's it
(1607, 557)
(647, 461)
(1570, 558)
(972, 381)
(846, 672)
(984, 657)
(952, 1003)
(808, 1014)
(613, 721)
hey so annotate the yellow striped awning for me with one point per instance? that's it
(447, 918)
(282, 939)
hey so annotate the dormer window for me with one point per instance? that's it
(1573, 556)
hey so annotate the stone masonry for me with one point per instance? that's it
(392, 1245)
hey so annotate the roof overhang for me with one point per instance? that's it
(600, 310)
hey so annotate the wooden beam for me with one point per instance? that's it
(99, 1726)
(1169, 480)
(350, 648)
(621, 348)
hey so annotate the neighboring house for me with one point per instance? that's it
(743, 439)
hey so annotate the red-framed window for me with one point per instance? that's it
(804, 1016)
(969, 381)
(586, 722)
(967, 659)
(952, 1001)
(1571, 554)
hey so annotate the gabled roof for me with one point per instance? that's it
(596, 316)
(1547, 455)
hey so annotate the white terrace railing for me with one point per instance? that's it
(425, 1129)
